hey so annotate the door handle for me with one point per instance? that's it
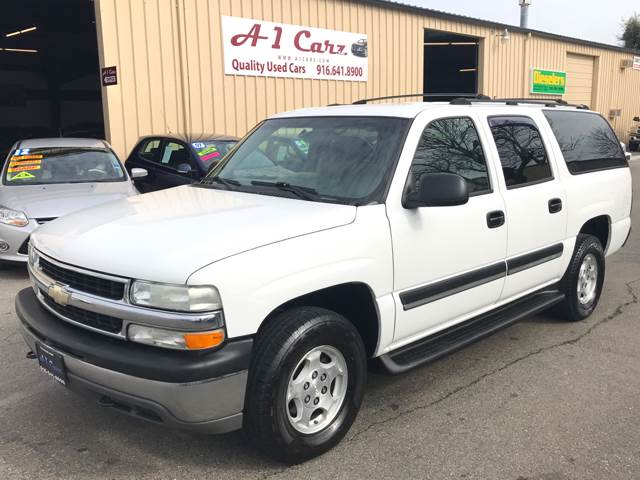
(555, 205)
(495, 219)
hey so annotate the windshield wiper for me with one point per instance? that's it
(227, 182)
(303, 192)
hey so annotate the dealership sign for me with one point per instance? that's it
(548, 82)
(267, 49)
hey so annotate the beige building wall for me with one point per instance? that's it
(171, 74)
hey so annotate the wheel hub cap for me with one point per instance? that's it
(316, 390)
(587, 279)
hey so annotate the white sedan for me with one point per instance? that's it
(43, 179)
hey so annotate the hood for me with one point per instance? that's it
(53, 201)
(165, 236)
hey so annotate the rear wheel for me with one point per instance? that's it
(306, 383)
(583, 281)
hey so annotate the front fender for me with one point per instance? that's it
(254, 283)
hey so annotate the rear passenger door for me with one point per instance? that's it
(535, 204)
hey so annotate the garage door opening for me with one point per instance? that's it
(450, 63)
(49, 71)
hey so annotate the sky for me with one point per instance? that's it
(595, 20)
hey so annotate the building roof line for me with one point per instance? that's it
(491, 24)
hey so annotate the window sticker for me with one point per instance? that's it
(22, 151)
(208, 153)
(210, 156)
(116, 166)
(198, 145)
(24, 168)
(22, 176)
(19, 163)
(16, 158)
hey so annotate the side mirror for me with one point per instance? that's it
(184, 169)
(438, 190)
(636, 119)
(139, 173)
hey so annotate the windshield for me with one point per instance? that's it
(43, 166)
(334, 159)
(211, 152)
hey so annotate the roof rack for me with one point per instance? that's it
(518, 101)
(426, 97)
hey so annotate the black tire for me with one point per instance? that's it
(279, 348)
(573, 309)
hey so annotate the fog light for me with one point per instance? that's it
(159, 337)
(4, 246)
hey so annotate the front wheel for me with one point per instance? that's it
(306, 383)
(584, 278)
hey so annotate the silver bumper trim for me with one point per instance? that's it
(208, 406)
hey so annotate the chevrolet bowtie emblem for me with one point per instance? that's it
(59, 294)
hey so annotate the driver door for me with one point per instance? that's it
(449, 262)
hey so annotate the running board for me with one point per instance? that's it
(454, 338)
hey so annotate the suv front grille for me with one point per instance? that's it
(85, 317)
(83, 282)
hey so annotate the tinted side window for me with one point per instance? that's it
(587, 141)
(522, 153)
(149, 149)
(174, 154)
(452, 145)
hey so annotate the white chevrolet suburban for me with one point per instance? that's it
(325, 238)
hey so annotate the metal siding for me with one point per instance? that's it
(171, 76)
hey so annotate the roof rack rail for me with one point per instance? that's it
(519, 101)
(425, 96)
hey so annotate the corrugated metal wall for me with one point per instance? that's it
(171, 76)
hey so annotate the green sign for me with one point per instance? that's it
(548, 82)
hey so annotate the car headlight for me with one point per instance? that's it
(159, 337)
(34, 258)
(13, 217)
(180, 298)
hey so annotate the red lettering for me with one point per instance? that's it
(296, 40)
(254, 35)
(276, 43)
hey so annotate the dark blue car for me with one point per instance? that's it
(174, 160)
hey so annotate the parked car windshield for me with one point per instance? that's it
(333, 159)
(210, 152)
(43, 166)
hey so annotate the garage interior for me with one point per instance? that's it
(450, 63)
(49, 71)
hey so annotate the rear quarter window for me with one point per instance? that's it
(587, 141)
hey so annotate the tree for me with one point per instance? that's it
(631, 33)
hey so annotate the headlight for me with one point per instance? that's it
(181, 298)
(160, 337)
(34, 258)
(13, 217)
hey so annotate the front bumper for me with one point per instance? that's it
(16, 238)
(202, 392)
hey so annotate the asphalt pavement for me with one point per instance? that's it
(542, 400)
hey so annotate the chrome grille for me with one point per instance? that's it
(85, 317)
(83, 282)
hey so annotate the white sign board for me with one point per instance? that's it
(267, 49)
(636, 63)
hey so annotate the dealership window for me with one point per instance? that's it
(587, 141)
(522, 153)
(452, 145)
